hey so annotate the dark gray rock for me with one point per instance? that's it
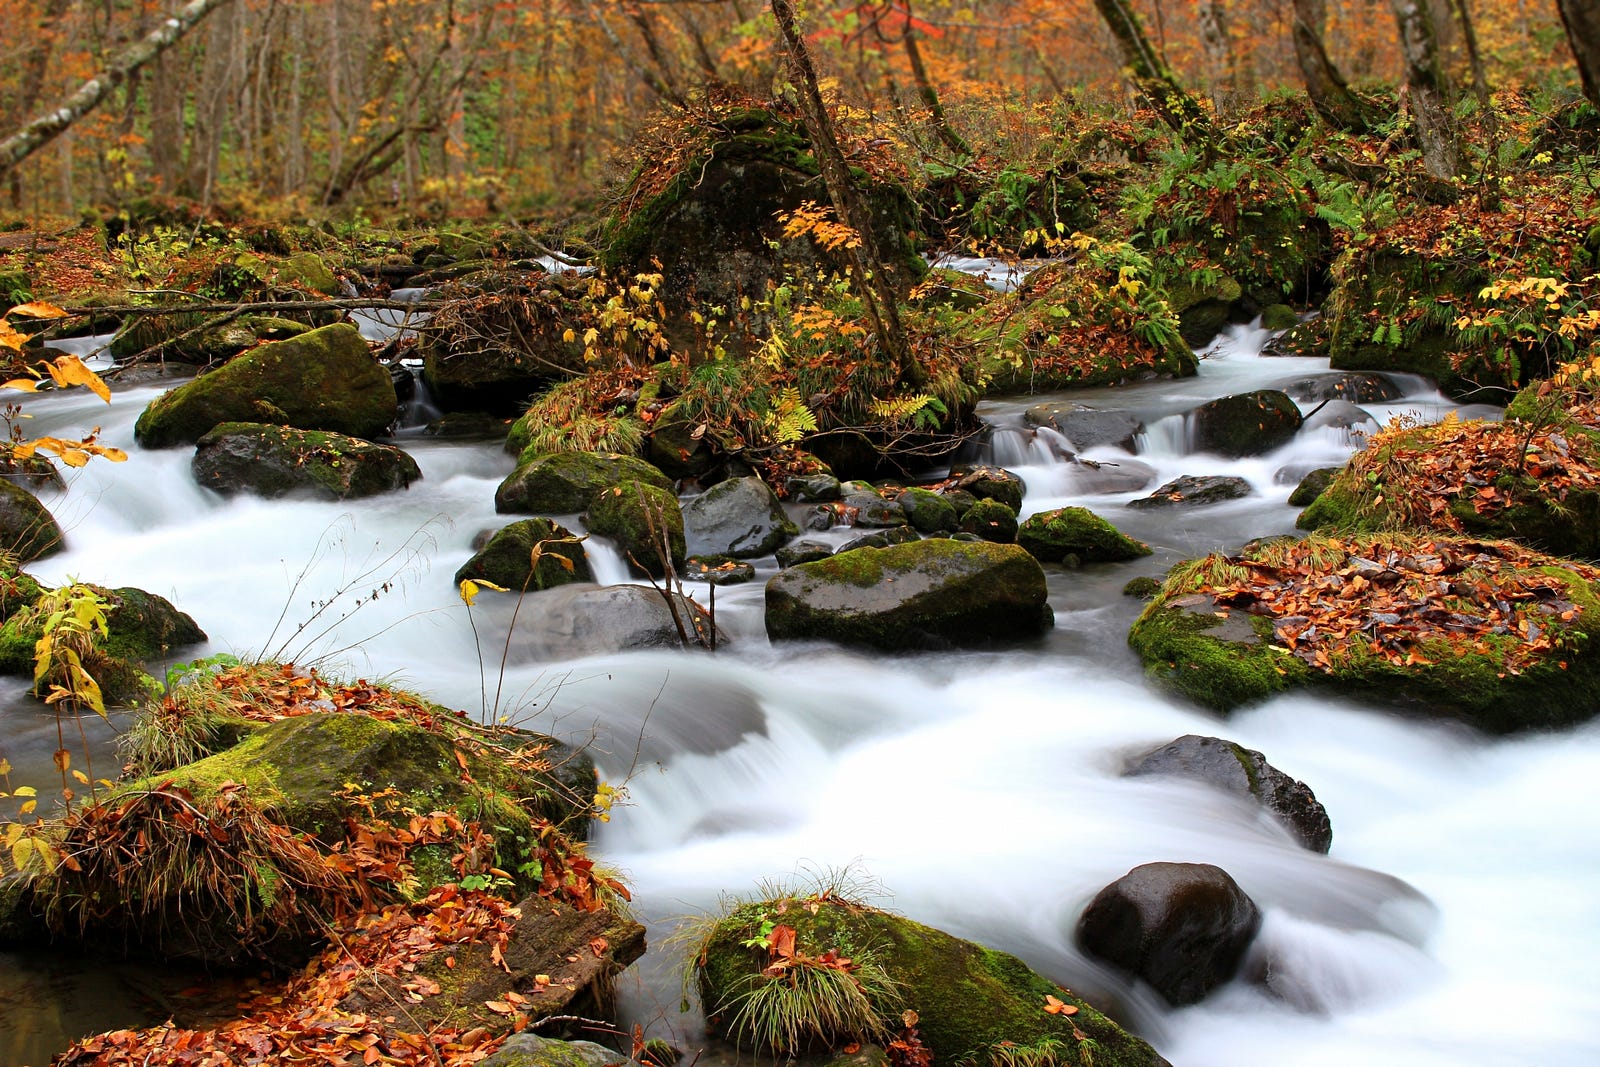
(992, 521)
(1192, 489)
(27, 529)
(1243, 772)
(991, 483)
(867, 507)
(894, 535)
(740, 517)
(1105, 476)
(1340, 415)
(587, 620)
(1312, 486)
(797, 552)
(1353, 386)
(1182, 927)
(1246, 424)
(817, 488)
(718, 570)
(1084, 426)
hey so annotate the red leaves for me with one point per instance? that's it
(1394, 597)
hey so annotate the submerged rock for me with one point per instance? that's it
(587, 620)
(274, 461)
(927, 594)
(971, 1001)
(1182, 927)
(322, 380)
(1243, 772)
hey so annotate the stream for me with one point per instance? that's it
(1455, 921)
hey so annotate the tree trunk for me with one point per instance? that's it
(1148, 71)
(869, 272)
(1428, 90)
(1221, 70)
(41, 131)
(930, 96)
(1330, 96)
(1582, 20)
(34, 63)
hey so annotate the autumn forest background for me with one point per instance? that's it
(487, 106)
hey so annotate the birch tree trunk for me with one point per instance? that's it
(46, 128)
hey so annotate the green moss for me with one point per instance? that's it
(1183, 651)
(991, 520)
(969, 998)
(1051, 536)
(637, 517)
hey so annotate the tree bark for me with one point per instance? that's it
(46, 128)
(1330, 95)
(1582, 20)
(1151, 76)
(868, 270)
(1221, 69)
(930, 96)
(1428, 89)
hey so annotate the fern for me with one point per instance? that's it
(788, 420)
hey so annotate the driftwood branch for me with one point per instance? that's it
(262, 307)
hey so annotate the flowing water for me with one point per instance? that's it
(1455, 921)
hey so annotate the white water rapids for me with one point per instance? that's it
(1456, 921)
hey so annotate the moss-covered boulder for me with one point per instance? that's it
(509, 559)
(1203, 307)
(1313, 485)
(322, 380)
(1487, 632)
(926, 594)
(140, 627)
(274, 461)
(973, 1004)
(927, 512)
(565, 482)
(991, 483)
(1052, 536)
(318, 769)
(528, 1049)
(646, 523)
(27, 529)
(738, 517)
(990, 520)
(1535, 480)
(1246, 424)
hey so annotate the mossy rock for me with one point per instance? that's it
(1225, 659)
(1203, 310)
(926, 594)
(507, 560)
(638, 516)
(1052, 536)
(274, 461)
(563, 483)
(927, 511)
(1246, 424)
(27, 529)
(140, 626)
(738, 517)
(1313, 485)
(992, 521)
(974, 1004)
(325, 379)
(705, 212)
(314, 771)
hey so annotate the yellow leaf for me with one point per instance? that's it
(471, 588)
(38, 309)
(70, 370)
(83, 779)
(63, 759)
(27, 385)
(25, 791)
(27, 807)
(5, 767)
